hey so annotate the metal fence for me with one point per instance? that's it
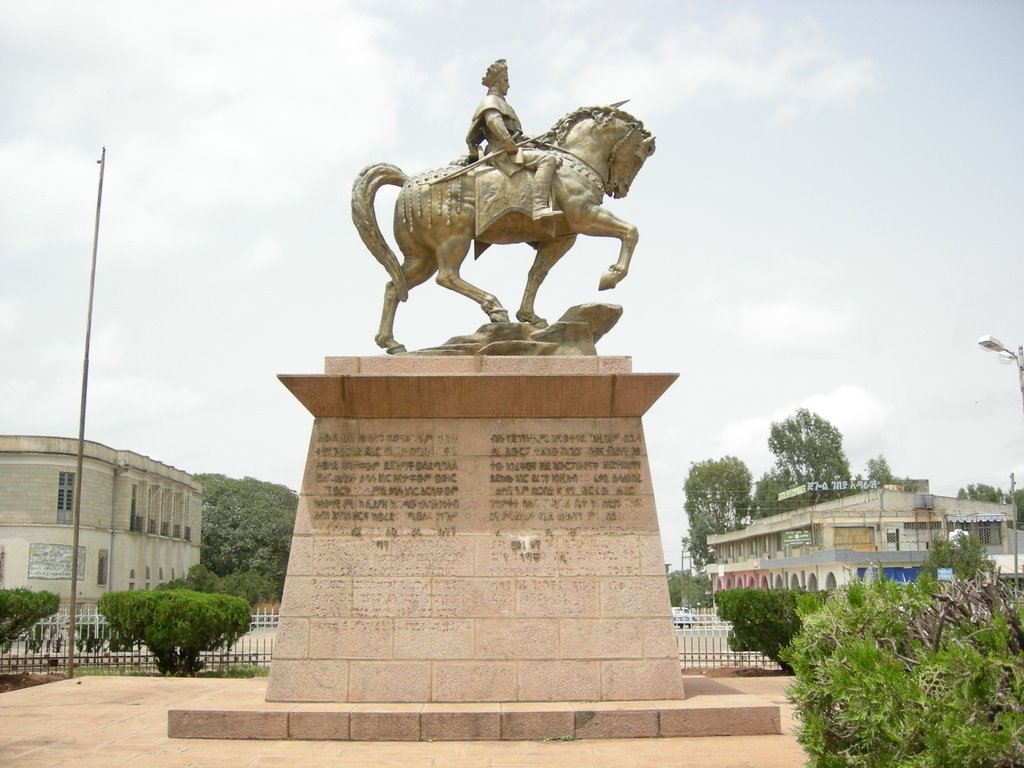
(706, 646)
(45, 649)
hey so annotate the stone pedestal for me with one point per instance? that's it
(476, 529)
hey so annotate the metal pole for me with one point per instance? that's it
(76, 517)
(1016, 545)
(1020, 371)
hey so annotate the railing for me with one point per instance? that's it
(707, 646)
(45, 651)
(263, 619)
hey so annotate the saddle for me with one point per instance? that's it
(504, 209)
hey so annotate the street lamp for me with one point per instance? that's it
(992, 344)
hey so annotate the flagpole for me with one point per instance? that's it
(79, 480)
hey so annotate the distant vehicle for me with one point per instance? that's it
(684, 617)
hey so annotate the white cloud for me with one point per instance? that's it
(9, 317)
(222, 109)
(258, 256)
(741, 57)
(858, 414)
(788, 324)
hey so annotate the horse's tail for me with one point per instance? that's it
(364, 189)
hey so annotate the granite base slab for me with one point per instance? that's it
(705, 716)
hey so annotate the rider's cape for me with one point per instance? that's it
(478, 132)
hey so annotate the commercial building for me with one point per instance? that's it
(829, 544)
(139, 525)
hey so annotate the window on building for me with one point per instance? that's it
(135, 519)
(65, 497)
(153, 509)
(101, 568)
(989, 533)
(131, 579)
(160, 571)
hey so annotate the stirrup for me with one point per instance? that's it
(545, 213)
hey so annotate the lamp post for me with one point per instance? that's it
(992, 344)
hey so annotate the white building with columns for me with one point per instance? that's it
(139, 526)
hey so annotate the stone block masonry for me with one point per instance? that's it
(476, 530)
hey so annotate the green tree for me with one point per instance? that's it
(807, 449)
(717, 498)
(247, 526)
(198, 579)
(20, 609)
(176, 625)
(764, 621)
(877, 469)
(689, 589)
(965, 554)
(983, 492)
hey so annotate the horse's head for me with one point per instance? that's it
(612, 141)
(627, 159)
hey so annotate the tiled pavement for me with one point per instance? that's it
(110, 721)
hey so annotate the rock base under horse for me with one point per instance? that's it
(575, 333)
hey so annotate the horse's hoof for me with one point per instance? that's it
(498, 316)
(610, 279)
(389, 345)
(531, 319)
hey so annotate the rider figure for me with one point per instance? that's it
(496, 122)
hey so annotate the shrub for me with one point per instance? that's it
(20, 609)
(762, 621)
(175, 624)
(965, 554)
(908, 675)
(249, 585)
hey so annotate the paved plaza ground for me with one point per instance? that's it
(111, 721)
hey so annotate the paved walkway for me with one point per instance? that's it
(113, 721)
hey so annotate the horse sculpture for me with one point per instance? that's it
(437, 214)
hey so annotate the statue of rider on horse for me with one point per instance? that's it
(543, 191)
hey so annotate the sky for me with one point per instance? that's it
(834, 215)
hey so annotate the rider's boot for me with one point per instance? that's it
(542, 189)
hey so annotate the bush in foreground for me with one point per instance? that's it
(20, 609)
(176, 625)
(910, 675)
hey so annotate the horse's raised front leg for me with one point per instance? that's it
(450, 255)
(548, 254)
(599, 222)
